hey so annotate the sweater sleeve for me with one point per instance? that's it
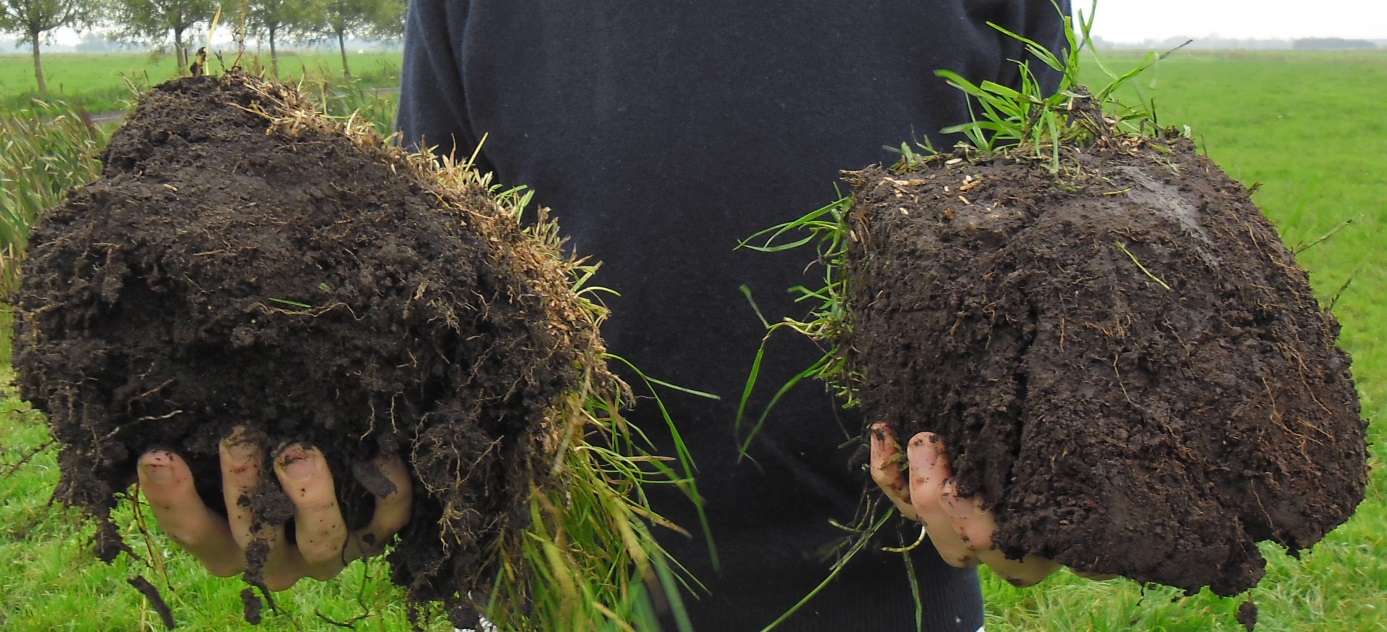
(433, 104)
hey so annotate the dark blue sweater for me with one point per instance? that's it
(661, 133)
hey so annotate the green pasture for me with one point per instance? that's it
(99, 82)
(1309, 128)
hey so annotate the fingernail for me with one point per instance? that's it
(923, 451)
(299, 462)
(158, 468)
(239, 451)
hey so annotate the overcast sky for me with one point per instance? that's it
(1139, 20)
(1129, 21)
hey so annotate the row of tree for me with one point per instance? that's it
(171, 23)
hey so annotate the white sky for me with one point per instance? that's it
(1139, 20)
(1129, 21)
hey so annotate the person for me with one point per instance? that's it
(661, 134)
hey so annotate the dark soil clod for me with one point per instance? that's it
(155, 599)
(1247, 614)
(241, 263)
(1123, 360)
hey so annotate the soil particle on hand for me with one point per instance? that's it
(1124, 361)
(242, 263)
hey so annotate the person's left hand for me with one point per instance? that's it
(322, 546)
(960, 528)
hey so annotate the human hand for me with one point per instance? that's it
(323, 546)
(960, 529)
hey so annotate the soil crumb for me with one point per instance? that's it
(1247, 615)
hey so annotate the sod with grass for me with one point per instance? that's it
(237, 236)
(1302, 125)
(1107, 336)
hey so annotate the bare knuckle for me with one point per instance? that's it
(315, 504)
(321, 552)
(280, 582)
(389, 526)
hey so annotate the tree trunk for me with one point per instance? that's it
(38, 65)
(274, 56)
(342, 46)
(180, 55)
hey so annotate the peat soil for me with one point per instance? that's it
(226, 271)
(1123, 360)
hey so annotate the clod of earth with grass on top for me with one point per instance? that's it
(244, 261)
(1119, 354)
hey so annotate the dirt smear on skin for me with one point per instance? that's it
(240, 263)
(1123, 360)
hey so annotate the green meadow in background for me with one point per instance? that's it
(100, 82)
(1309, 128)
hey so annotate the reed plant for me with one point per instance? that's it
(45, 150)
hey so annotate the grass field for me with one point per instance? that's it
(99, 82)
(1310, 128)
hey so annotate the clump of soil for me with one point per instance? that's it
(1123, 359)
(242, 261)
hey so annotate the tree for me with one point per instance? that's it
(338, 18)
(1332, 43)
(273, 19)
(35, 20)
(155, 21)
(388, 25)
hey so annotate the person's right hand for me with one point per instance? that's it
(921, 487)
(323, 546)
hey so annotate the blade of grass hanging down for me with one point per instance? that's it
(681, 449)
(589, 549)
(669, 581)
(755, 367)
(861, 543)
(827, 228)
(812, 371)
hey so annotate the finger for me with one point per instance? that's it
(284, 566)
(241, 459)
(975, 528)
(972, 524)
(1098, 577)
(886, 469)
(929, 471)
(318, 526)
(1027, 571)
(392, 510)
(953, 550)
(167, 485)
